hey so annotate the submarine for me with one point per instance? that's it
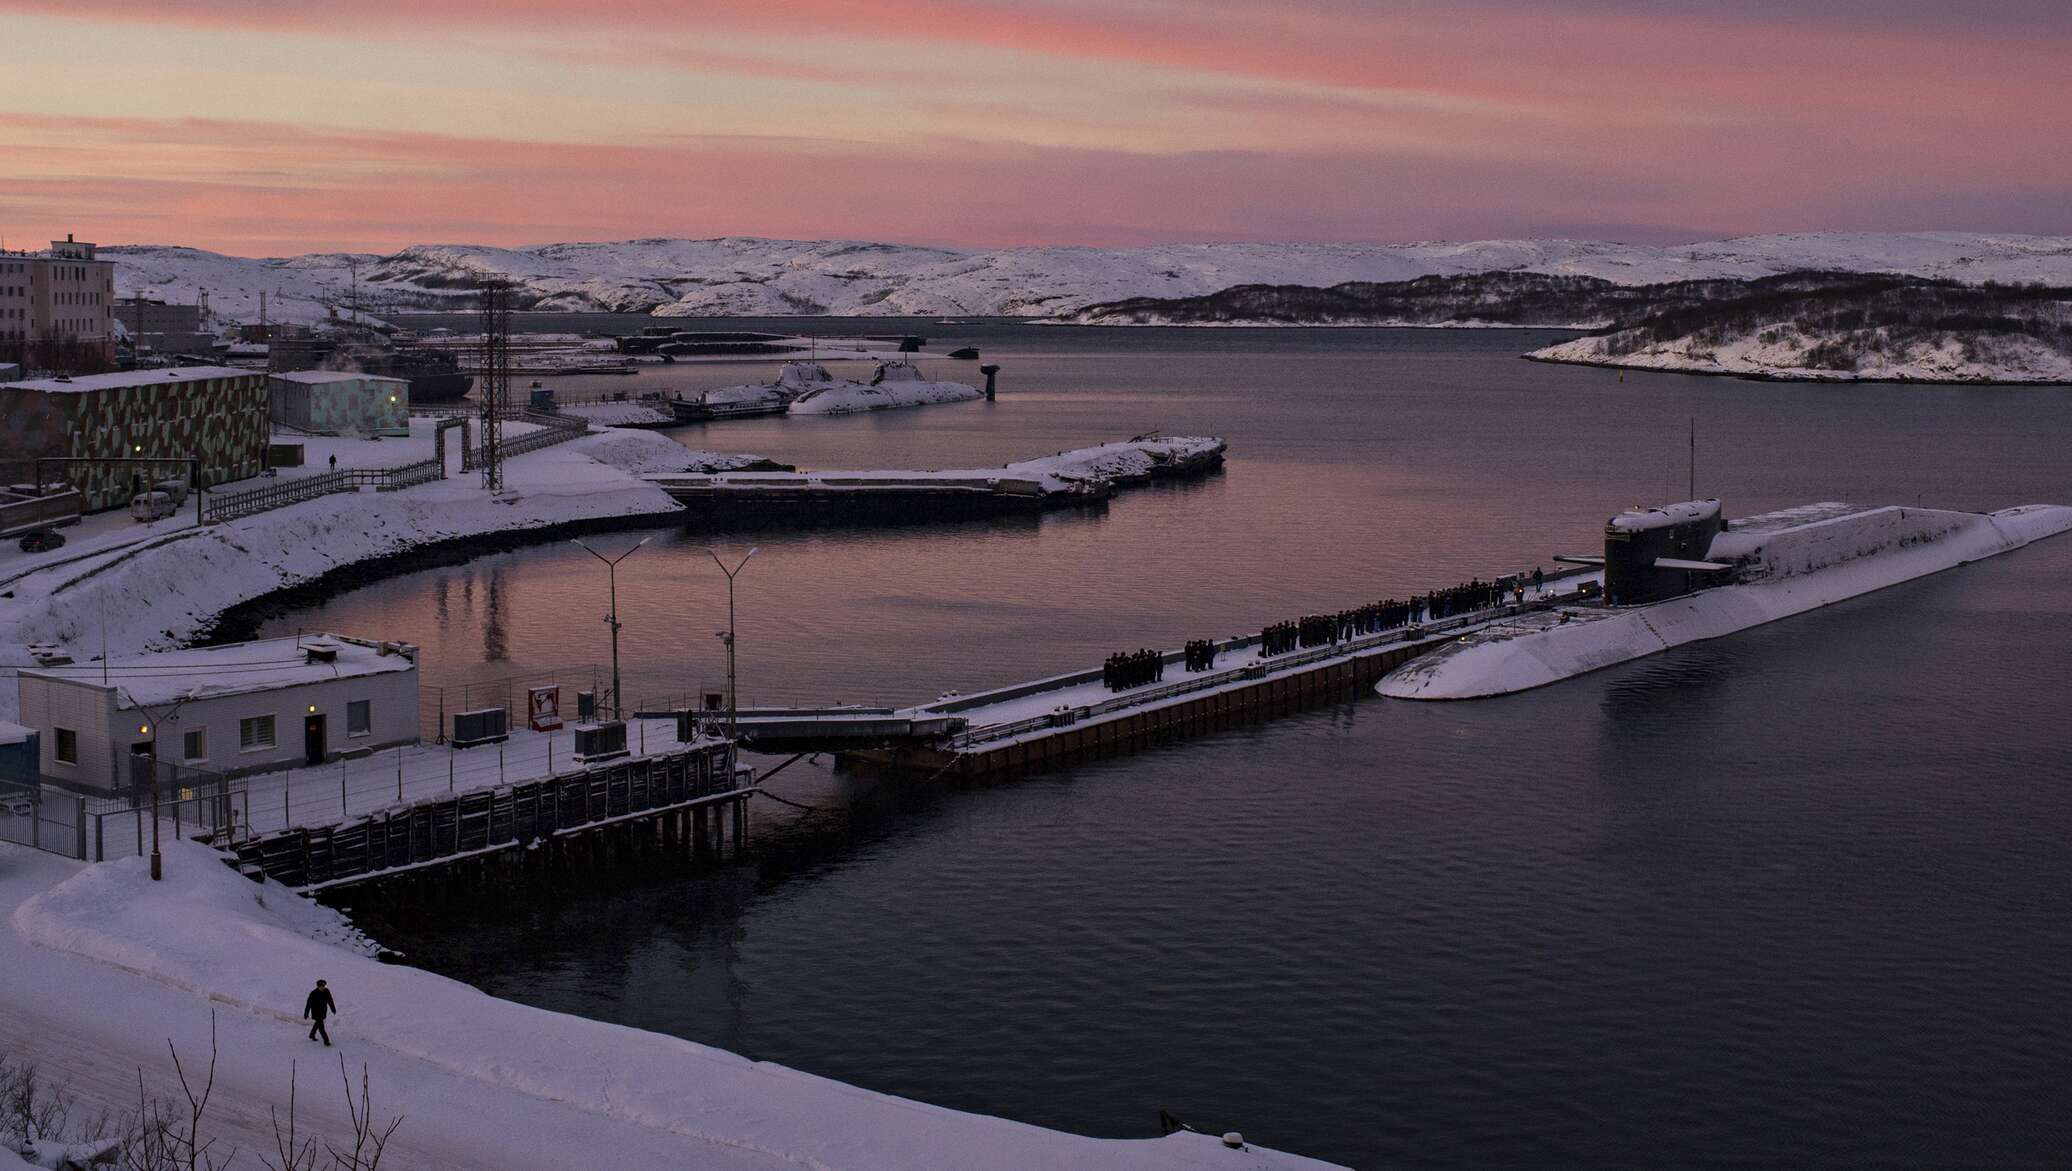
(1683, 573)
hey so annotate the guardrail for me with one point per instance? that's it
(222, 506)
(553, 429)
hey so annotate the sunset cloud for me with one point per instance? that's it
(254, 125)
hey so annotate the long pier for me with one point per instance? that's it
(1066, 719)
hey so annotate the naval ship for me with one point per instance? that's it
(1684, 573)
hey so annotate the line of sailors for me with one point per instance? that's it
(1200, 655)
(1313, 630)
(1123, 670)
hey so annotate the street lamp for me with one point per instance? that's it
(611, 567)
(727, 636)
(150, 729)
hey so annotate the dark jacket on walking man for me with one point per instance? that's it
(313, 1009)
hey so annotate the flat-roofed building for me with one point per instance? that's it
(214, 414)
(245, 707)
(57, 306)
(162, 328)
(341, 402)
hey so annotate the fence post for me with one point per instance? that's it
(399, 772)
(342, 810)
(79, 823)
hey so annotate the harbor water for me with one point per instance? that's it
(1796, 897)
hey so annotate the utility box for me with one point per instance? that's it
(586, 706)
(596, 742)
(715, 701)
(686, 726)
(489, 725)
(284, 455)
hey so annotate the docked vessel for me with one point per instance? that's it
(1683, 573)
(892, 384)
(807, 388)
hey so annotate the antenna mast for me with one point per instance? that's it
(1694, 458)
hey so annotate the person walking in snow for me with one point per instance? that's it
(313, 1009)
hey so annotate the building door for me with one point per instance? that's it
(313, 739)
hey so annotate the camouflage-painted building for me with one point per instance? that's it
(342, 402)
(217, 414)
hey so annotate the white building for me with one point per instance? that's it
(246, 707)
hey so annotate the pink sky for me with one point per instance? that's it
(263, 127)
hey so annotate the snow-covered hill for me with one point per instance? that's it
(754, 277)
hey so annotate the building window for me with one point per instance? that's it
(254, 733)
(359, 717)
(194, 745)
(67, 748)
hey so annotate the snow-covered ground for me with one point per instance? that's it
(1828, 560)
(1782, 352)
(103, 967)
(153, 587)
(756, 277)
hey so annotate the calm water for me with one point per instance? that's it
(1798, 897)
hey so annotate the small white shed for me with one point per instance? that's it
(245, 707)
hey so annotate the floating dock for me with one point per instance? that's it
(1087, 476)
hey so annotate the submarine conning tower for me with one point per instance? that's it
(1656, 553)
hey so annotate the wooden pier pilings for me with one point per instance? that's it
(675, 804)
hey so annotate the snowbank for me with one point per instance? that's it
(160, 591)
(254, 949)
(1819, 565)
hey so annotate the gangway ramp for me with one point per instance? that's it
(838, 729)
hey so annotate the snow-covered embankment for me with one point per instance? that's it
(479, 1081)
(160, 592)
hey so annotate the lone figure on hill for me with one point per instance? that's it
(313, 1009)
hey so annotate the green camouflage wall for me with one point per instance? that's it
(221, 421)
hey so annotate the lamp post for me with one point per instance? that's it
(611, 567)
(727, 636)
(150, 728)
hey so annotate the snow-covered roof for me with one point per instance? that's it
(268, 664)
(116, 381)
(318, 377)
(1665, 516)
(14, 733)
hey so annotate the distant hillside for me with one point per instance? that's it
(1861, 328)
(755, 277)
(1498, 298)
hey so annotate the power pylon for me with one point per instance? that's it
(495, 389)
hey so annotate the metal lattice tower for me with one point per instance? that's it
(496, 377)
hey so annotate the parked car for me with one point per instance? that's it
(42, 541)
